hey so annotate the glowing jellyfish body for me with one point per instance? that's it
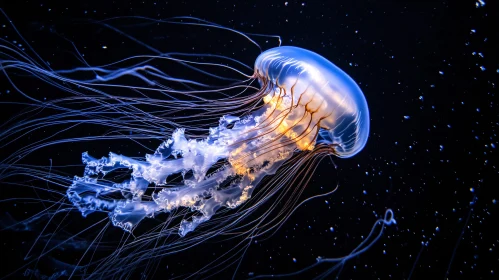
(318, 94)
(308, 101)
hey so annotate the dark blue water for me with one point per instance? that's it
(429, 73)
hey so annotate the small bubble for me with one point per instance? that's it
(480, 3)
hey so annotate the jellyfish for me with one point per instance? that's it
(201, 184)
(310, 105)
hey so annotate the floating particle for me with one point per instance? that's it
(480, 3)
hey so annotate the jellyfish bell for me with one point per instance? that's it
(320, 98)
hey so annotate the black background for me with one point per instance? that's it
(434, 117)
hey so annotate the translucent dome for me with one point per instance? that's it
(333, 97)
